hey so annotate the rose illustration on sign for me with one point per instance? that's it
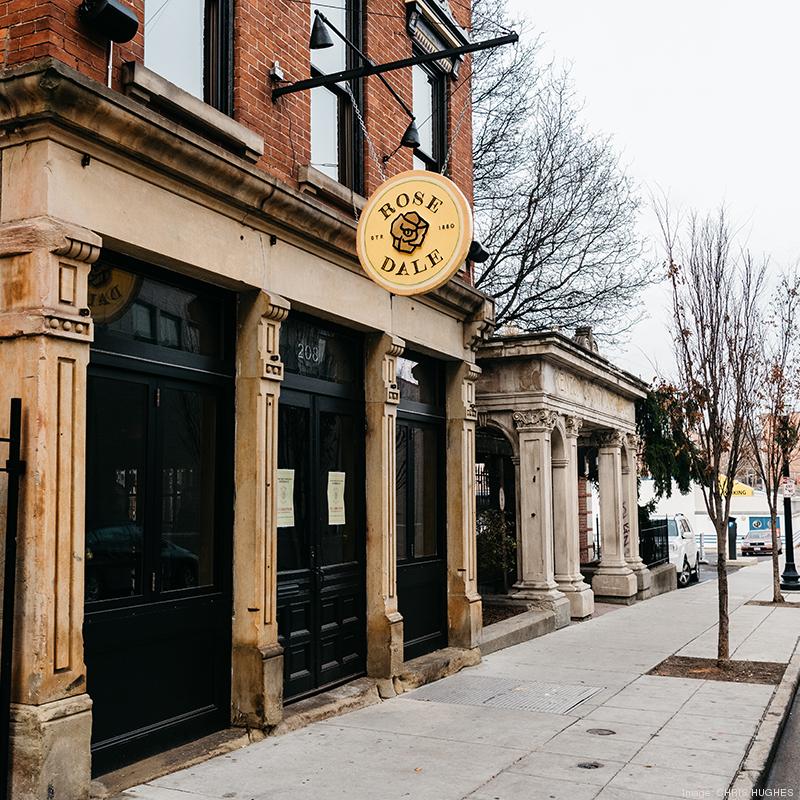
(408, 232)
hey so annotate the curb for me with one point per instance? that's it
(758, 759)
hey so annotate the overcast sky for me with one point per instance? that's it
(702, 99)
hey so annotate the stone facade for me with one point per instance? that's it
(85, 170)
(549, 395)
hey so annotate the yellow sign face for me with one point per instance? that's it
(414, 232)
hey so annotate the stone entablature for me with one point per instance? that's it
(550, 370)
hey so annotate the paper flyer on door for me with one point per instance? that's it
(285, 499)
(336, 498)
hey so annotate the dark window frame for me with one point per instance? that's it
(350, 139)
(435, 161)
(218, 55)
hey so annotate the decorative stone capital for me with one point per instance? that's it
(611, 439)
(274, 310)
(45, 233)
(387, 348)
(463, 406)
(572, 425)
(537, 419)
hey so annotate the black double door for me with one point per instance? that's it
(159, 493)
(321, 542)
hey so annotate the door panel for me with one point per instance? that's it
(158, 606)
(321, 600)
(421, 563)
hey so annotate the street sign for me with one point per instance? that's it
(788, 487)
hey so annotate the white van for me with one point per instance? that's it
(683, 550)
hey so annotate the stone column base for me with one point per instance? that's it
(257, 686)
(548, 600)
(614, 585)
(465, 621)
(644, 580)
(385, 645)
(580, 596)
(50, 749)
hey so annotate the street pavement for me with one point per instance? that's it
(569, 716)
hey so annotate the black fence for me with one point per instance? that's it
(654, 543)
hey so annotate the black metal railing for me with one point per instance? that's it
(654, 543)
(14, 467)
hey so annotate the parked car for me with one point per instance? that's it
(759, 542)
(683, 550)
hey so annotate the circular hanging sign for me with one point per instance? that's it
(414, 233)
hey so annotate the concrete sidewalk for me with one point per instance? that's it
(569, 716)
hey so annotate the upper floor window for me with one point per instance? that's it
(335, 138)
(429, 93)
(188, 42)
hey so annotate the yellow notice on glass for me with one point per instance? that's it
(336, 498)
(285, 499)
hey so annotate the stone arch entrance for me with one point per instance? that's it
(496, 507)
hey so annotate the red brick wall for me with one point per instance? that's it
(265, 30)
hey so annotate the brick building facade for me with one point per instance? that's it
(249, 468)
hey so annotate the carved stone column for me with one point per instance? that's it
(614, 581)
(384, 622)
(537, 583)
(463, 601)
(630, 515)
(257, 676)
(45, 333)
(566, 523)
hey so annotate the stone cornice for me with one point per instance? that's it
(561, 350)
(47, 99)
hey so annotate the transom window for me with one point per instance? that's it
(335, 139)
(188, 42)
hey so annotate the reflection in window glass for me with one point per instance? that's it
(294, 432)
(187, 489)
(325, 132)
(418, 381)
(313, 351)
(401, 484)
(115, 469)
(146, 310)
(425, 491)
(173, 42)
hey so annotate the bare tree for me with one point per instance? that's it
(774, 433)
(716, 292)
(553, 206)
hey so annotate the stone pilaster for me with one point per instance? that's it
(566, 525)
(45, 333)
(463, 601)
(614, 581)
(537, 582)
(257, 688)
(384, 622)
(630, 516)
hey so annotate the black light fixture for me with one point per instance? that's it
(477, 253)
(111, 19)
(320, 38)
(411, 136)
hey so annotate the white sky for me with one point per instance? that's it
(702, 100)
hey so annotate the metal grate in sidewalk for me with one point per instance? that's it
(517, 695)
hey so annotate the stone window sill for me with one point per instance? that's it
(317, 183)
(157, 92)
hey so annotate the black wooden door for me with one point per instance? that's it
(159, 503)
(321, 598)
(421, 561)
(158, 602)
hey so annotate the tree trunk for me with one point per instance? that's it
(777, 597)
(723, 632)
